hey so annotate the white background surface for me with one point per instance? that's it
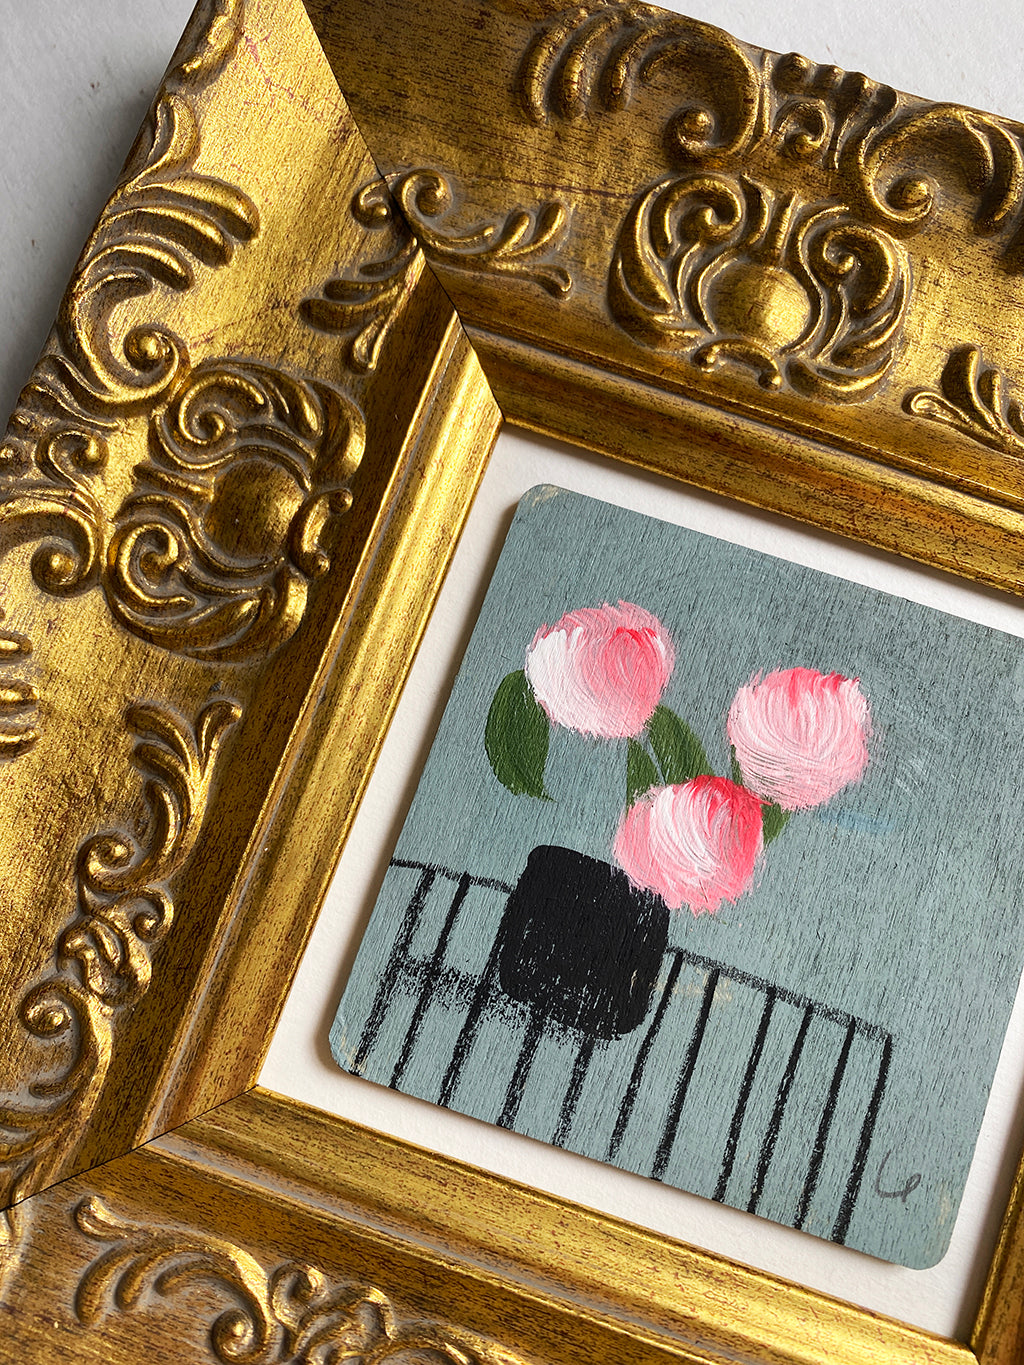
(76, 80)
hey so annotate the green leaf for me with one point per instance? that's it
(679, 752)
(773, 821)
(516, 738)
(641, 774)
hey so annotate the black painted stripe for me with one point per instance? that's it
(842, 1224)
(668, 1135)
(454, 876)
(827, 1115)
(396, 960)
(636, 1076)
(759, 983)
(429, 979)
(470, 1027)
(753, 1061)
(778, 1111)
(524, 1061)
(581, 1066)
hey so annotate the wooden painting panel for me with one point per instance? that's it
(725, 892)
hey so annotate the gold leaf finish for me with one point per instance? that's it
(592, 59)
(801, 294)
(208, 41)
(986, 154)
(267, 332)
(18, 698)
(972, 398)
(213, 552)
(291, 1313)
(767, 254)
(520, 245)
(203, 473)
(103, 958)
(266, 1231)
(367, 303)
(163, 223)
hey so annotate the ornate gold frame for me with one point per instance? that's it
(230, 492)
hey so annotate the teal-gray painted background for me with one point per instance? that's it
(897, 902)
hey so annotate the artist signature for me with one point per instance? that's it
(904, 1191)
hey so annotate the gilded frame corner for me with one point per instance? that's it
(230, 492)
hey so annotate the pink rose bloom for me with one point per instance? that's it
(800, 736)
(601, 670)
(694, 844)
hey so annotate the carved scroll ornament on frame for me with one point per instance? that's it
(229, 440)
(290, 1313)
(809, 287)
(190, 491)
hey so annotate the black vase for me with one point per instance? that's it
(581, 944)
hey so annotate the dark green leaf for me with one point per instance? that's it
(516, 737)
(774, 820)
(679, 752)
(641, 774)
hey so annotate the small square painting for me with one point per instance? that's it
(713, 873)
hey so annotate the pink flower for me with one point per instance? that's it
(800, 736)
(694, 844)
(601, 670)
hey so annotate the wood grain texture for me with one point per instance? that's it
(265, 1231)
(729, 247)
